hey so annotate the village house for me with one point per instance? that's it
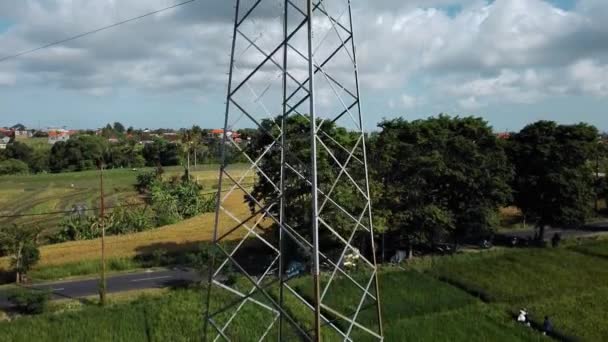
(219, 133)
(4, 142)
(57, 135)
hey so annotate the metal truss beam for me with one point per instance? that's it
(308, 70)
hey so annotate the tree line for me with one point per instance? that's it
(444, 179)
(117, 147)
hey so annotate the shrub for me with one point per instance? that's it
(29, 302)
(77, 227)
(145, 180)
(130, 219)
(13, 167)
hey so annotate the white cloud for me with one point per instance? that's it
(590, 77)
(408, 102)
(470, 103)
(7, 79)
(515, 51)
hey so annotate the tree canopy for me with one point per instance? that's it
(440, 178)
(553, 185)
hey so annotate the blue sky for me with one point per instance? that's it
(4, 24)
(511, 62)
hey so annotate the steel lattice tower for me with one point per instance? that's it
(304, 255)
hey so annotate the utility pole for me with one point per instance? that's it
(102, 218)
(597, 177)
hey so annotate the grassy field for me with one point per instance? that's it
(185, 235)
(565, 284)
(451, 316)
(466, 297)
(43, 193)
(599, 249)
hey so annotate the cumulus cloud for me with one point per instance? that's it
(473, 51)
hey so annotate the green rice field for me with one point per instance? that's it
(47, 193)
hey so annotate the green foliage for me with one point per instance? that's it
(18, 150)
(39, 160)
(146, 179)
(119, 128)
(175, 200)
(83, 268)
(125, 153)
(124, 219)
(516, 277)
(439, 178)
(130, 218)
(554, 181)
(77, 227)
(13, 167)
(29, 302)
(82, 152)
(176, 317)
(576, 315)
(20, 243)
(161, 152)
(297, 192)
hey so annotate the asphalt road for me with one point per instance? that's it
(565, 233)
(118, 283)
(588, 230)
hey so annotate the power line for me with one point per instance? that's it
(3, 59)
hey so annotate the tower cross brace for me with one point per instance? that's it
(300, 263)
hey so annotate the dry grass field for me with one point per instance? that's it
(184, 235)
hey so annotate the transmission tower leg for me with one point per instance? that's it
(294, 77)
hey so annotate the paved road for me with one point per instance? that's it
(585, 231)
(118, 283)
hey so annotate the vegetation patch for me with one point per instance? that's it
(523, 276)
(599, 249)
(579, 315)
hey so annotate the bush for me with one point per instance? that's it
(145, 180)
(13, 167)
(77, 227)
(29, 302)
(130, 218)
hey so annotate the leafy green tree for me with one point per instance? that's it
(21, 244)
(119, 128)
(20, 151)
(444, 177)
(554, 179)
(297, 194)
(13, 167)
(39, 160)
(81, 152)
(161, 152)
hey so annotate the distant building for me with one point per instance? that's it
(57, 135)
(5, 132)
(4, 143)
(219, 133)
(503, 135)
(23, 135)
(171, 137)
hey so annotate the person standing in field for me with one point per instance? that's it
(547, 326)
